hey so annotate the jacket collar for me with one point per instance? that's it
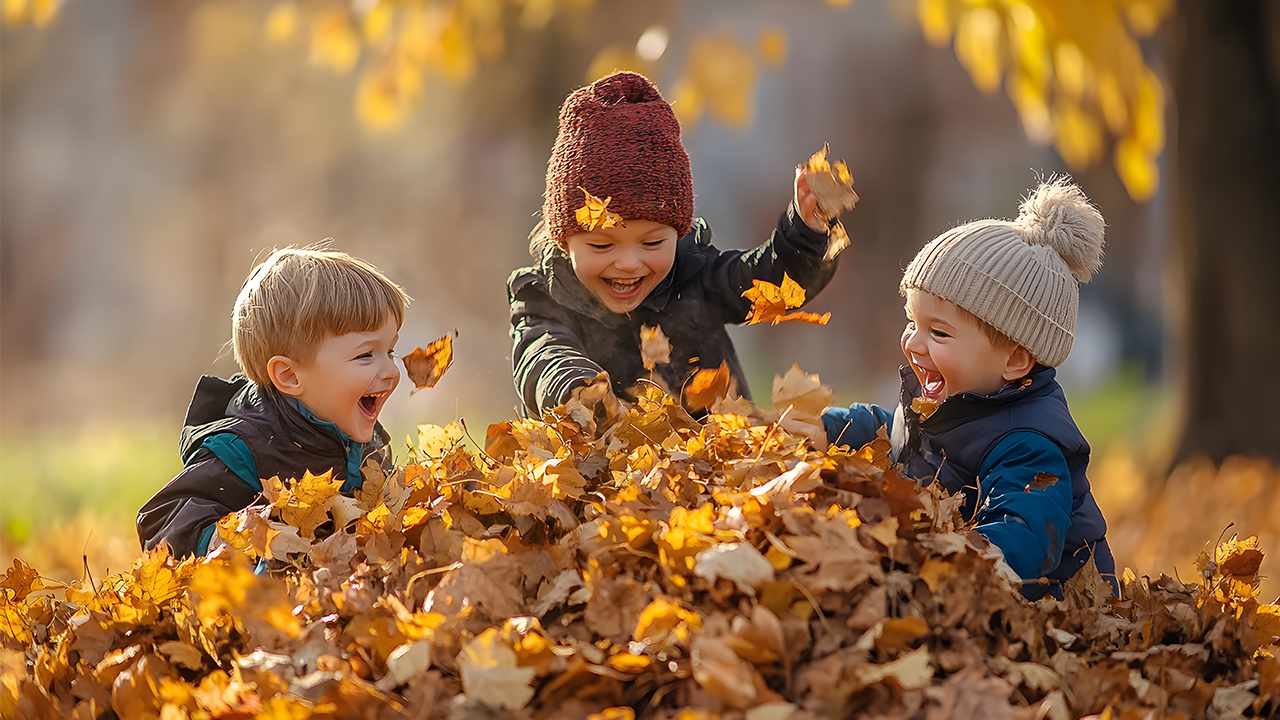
(957, 407)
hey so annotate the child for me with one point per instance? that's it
(579, 311)
(991, 310)
(315, 332)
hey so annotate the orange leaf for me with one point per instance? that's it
(1041, 481)
(426, 366)
(769, 303)
(707, 386)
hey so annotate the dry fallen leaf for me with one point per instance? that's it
(655, 348)
(425, 366)
(490, 674)
(769, 303)
(924, 407)
(595, 214)
(1041, 481)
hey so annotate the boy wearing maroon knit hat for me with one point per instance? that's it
(640, 261)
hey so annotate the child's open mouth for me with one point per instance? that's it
(623, 287)
(371, 404)
(931, 383)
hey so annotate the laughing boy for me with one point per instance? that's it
(314, 332)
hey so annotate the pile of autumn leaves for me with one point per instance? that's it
(666, 569)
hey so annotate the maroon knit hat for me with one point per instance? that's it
(618, 138)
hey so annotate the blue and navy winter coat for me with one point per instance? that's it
(235, 433)
(991, 448)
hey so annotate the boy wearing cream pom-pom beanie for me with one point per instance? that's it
(991, 311)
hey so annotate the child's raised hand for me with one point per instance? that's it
(807, 201)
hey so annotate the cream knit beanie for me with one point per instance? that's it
(1021, 277)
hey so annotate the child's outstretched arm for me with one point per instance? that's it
(1025, 508)
(794, 249)
(549, 357)
(183, 513)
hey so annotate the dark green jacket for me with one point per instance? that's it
(564, 335)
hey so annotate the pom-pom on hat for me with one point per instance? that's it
(1023, 276)
(618, 138)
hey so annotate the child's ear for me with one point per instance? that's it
(1020, 363)
(284, 375)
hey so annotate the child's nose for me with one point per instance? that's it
(627, 260)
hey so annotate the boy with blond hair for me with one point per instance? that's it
(314, 332)
(991, 311)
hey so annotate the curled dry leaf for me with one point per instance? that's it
(707, 386)
(832, 185)
(425, 366)
(595, 214)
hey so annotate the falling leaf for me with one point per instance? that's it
(654, 347)
(707, 386)
(425, 366)
(1041, 482)
(595, 214)
(769, 303)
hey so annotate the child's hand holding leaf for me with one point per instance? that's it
(828, 189)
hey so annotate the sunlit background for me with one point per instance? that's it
(153, 152)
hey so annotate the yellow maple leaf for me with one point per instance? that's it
(595, 214)
(769, 303)
(21, 580)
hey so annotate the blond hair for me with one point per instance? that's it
(300, 297)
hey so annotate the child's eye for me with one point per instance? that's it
(939, 333)
(599, 246)
(362, 356)
(655, 243)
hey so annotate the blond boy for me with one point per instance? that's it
(314, 332)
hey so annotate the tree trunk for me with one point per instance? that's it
(1228, 226)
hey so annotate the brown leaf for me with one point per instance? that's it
(1041, 481)
(425, 366)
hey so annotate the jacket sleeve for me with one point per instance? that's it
(1028, 523)
(548, 356)
(185, 509)
(794, 249)
(855, 425)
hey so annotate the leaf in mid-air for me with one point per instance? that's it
(770, 303)
(425, 366)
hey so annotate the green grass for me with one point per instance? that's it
(105, 471)
(1124, 409)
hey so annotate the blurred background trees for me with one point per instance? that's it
(154, 150)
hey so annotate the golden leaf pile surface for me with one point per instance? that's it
(664, 569)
